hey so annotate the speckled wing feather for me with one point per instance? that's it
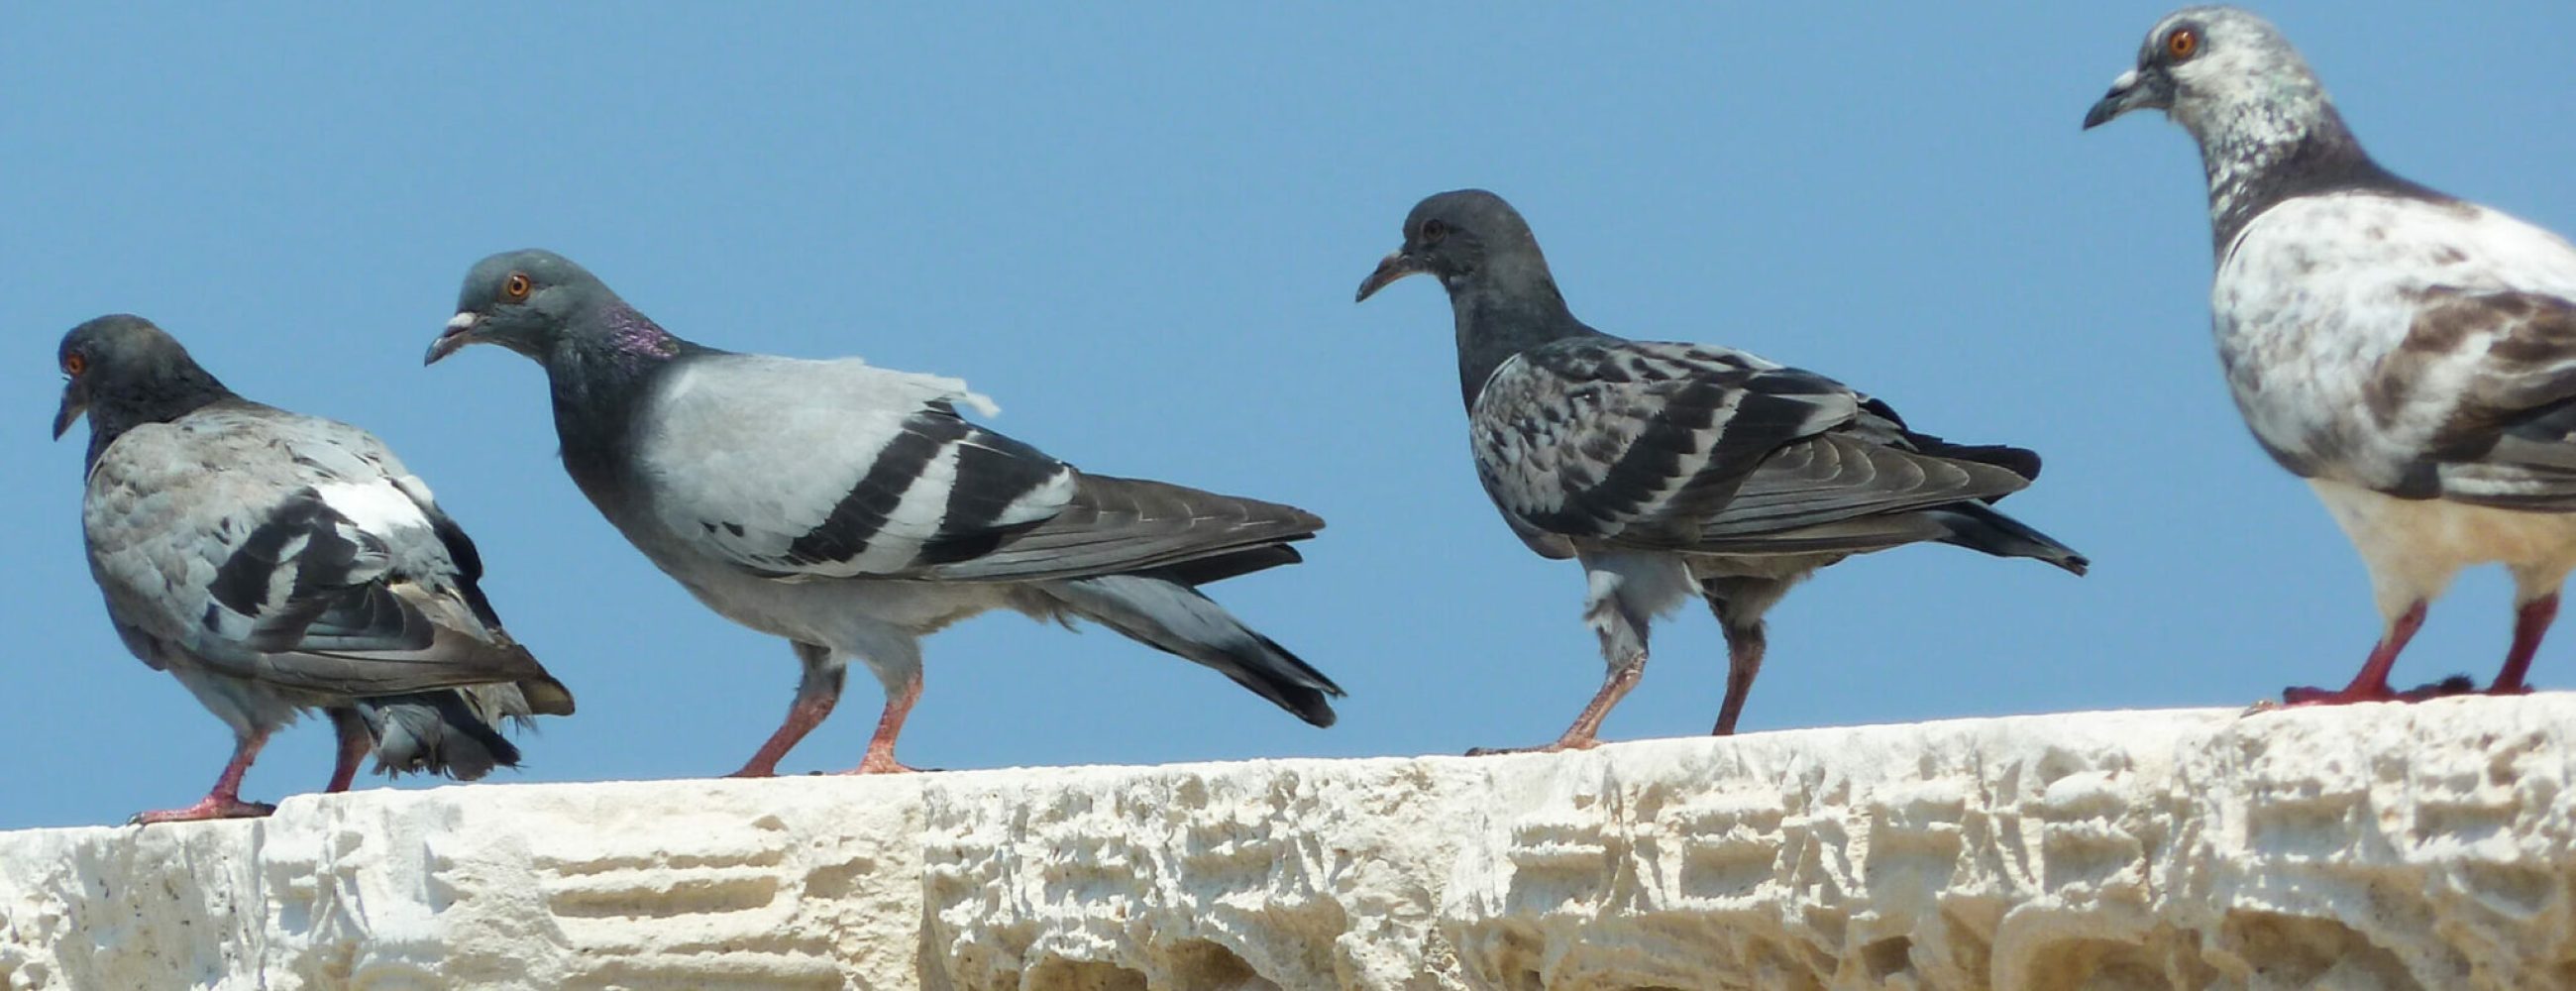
(1688, 447)
(290, 550)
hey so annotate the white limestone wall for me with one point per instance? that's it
(2429, 846)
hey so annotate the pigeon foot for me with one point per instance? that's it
(1559, 746)
(213, 807)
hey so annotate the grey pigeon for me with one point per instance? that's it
(2412, 355)
(1673, 470)
(852, 510)
(276, 563)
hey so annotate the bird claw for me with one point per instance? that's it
(211, 808)
(2303, 696)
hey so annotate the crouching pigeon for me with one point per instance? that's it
(852, 509)
(1673, 470)
(276, 563)
(2412, 355)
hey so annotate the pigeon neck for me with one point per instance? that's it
(1495, 323)
(163, 397)
(2258, 154)
(599, 375)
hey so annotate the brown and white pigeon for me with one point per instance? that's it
(853, 510)
(276, 563)
(1679, 470)
(2412, 355)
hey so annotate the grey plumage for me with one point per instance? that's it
(276, 563)
(852, 509)
(2412, 355)
(1678, 469)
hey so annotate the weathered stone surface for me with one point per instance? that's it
(2428, 846)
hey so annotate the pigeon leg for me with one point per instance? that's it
(1586, 731)
(1744, 649)
(816, 694)
(225, 801)
(880, 758)
(2371, 685)
(355, 741)
(2529, 624)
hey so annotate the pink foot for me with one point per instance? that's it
(882, 763)
(211, 808)
(1558, 747)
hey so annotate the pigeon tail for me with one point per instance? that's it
(1176, 619)
(1974, 526)
(437, 732)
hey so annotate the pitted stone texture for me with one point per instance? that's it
(2429, 846)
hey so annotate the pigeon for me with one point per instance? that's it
(276, 563)
(1671, 470)
(853, 509)
(2410, 354)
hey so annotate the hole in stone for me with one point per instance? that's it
(1888, 957)
(1059, 974)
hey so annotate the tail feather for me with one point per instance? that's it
(1974, 526)
(439, 732)
(1175, 618)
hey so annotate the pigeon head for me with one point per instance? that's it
(2225, 75)
(1464, 237)
(521, 300)
(123, 372)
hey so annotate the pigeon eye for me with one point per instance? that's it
(1433, 231)
(515, 288)
(74, 364)
(2182, 44)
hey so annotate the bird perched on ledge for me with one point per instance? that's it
(2410, 354)
(852, 510)
(1671, 470)
(274, 563)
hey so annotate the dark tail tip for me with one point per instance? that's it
(1979, 528)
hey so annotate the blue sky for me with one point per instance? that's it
(1139, 230)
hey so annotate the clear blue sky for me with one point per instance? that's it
(1139, 230)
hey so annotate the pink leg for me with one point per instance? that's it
(2371, 685)
(225, 801)
(1586, 732)
(880, 758)
(1743, 660)
(808, 711)
(2530, 623)
(354, 745)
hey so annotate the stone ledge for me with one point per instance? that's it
(2375, 846)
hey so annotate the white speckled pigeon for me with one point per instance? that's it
(852, 510)
(1677, 469)
(275, 562)
(2412, 355)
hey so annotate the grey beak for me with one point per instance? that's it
(75, 402)
(1397, 265)
(459, 333)
(2132, 91)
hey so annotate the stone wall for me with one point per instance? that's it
(2367, 847)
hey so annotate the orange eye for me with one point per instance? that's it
(2182, 44)
(515, 289)
(74, 364)
(1433, 231)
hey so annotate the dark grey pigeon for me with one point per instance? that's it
(1673, 470)
(852, 510)
(276, 563)
(2410, 354)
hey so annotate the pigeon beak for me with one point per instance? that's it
(75, 402)
(459, 333)
(1397, 265)
(2134, 90)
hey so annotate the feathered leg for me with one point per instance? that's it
(816, 693)
(1627, 591)
(1739, 602)
(224, 802)
(355, 743)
